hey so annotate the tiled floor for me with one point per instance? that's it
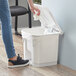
(57, 70)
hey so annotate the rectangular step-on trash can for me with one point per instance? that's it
(40, 49)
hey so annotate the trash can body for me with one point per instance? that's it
(41, 49)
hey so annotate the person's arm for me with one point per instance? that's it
(33, 8)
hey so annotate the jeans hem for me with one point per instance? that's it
(12, 56)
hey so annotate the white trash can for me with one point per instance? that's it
(42, 50)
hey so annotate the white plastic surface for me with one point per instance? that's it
(41, 49)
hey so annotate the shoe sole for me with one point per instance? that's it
(16, 66)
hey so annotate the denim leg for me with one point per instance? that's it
(6, 28)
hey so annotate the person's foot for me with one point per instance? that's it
(17, 63)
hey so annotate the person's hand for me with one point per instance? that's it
(33, 9)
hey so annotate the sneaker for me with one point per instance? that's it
(17, 63)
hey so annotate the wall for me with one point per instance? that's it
(64, 12)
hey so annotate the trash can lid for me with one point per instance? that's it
(36, 31)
